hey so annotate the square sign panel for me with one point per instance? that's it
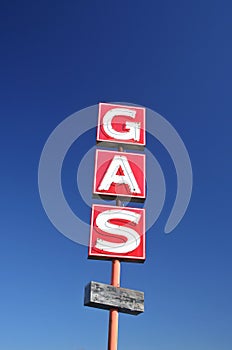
(121, 124)
(119, 174)
(117, 232)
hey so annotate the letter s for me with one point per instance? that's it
(133, 238)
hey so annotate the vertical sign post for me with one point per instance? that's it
(117, 232)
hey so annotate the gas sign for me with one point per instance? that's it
(118, 232)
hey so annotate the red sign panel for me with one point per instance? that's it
(117, 232)
(121, 124)
(119, 173)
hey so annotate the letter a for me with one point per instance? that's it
(112, 177)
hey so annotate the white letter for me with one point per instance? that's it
(133, 238)
(111, 175)
(134, 128)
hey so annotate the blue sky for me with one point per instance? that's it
(59, 57)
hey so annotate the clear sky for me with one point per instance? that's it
(59, 57)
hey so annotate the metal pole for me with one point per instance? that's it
(115, 281)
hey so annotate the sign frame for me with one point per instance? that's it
(109, 195)
(110, 142)
(129, 257)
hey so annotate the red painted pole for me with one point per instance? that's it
(113, 318)
(115, 281)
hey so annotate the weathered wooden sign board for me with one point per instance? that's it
(105, 296)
